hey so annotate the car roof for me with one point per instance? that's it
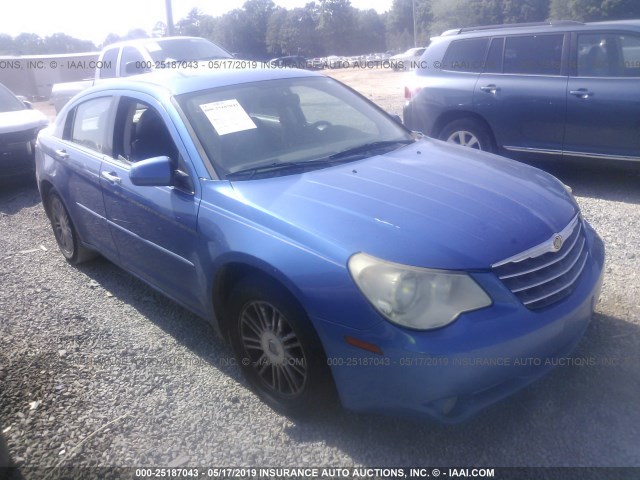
(179, 81)
(540, 27)
(142, 41)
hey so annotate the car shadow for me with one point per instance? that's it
(19, 193)
(191, 331)
(582, 413)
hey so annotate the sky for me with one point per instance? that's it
(92, 20)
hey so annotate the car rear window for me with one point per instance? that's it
(108, 69)
(8, 102)
(466, 55)
(533, 54)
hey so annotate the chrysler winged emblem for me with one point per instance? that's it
(557, 242)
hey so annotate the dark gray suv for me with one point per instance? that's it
(532, 90)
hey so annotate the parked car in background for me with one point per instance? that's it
(290, 61)
(407, 60)
(19, 127)
(335, 249)
(551, 90)
(134, 57)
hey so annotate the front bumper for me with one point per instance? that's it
(484, 356)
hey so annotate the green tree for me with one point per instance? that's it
(335, 25)
(369, 34)
(63, 43)
(594, 10)
(28, 44)
(516, 11)
(6, 44)
(111, 38)
(400, 35)
(257, 13)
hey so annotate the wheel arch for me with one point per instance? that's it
(46, 187)
(233, 271)
(447, 117)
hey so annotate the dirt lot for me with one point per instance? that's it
(382, 86)
(97, 369)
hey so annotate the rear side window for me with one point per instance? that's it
(466, 55)
(90, 127)
(108, 69)
(608, 55)
(533, 54)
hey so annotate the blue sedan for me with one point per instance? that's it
(337, 251)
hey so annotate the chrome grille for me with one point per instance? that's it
(542, 275)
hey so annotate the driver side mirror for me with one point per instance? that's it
(152, 172)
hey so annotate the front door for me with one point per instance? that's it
(154, 227)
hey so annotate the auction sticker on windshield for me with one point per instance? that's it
(227, 116)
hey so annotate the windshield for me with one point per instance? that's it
(8, 101)
(288, 122)
(184, 50)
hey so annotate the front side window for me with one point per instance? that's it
(494, 59)
(89, 128)
(297, 122)
(466, 55)
(130, 55)
(533, 54)
(608, 55)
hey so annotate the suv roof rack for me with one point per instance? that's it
(552, 23)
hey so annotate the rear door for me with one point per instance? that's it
(86, 141)
(522, 92)
(603, 101)
(154, 228)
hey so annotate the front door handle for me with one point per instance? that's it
(111, 177)
(581, 93)
(492, 89)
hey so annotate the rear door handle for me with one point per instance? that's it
(111, 177)
(581, 93)
(492, 89)
(61, 154)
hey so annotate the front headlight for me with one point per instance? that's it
(416, 297)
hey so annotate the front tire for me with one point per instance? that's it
(277, 349)
(65, 232)
(467, 133)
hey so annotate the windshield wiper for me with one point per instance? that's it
(368, 147)
(278, 167)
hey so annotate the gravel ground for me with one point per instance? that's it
(96, 369)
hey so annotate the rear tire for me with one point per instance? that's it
(468, 133)
(65, 232)
(277, 349)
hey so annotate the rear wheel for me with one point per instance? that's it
(277, 349)
(65, 232)
(467, 133)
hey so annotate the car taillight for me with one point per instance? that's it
(410, 92)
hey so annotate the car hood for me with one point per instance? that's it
(21, 120)
(429, 204)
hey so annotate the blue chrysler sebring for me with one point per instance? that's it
(335, 250)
